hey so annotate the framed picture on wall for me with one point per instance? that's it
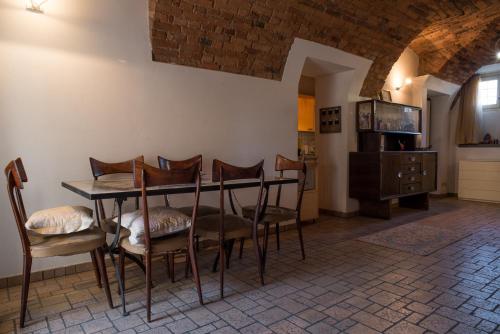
(385, 95)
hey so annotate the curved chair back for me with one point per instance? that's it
(16, 175)
(100, 168)
(149, 176)
(222, 172)
(284, 164)
(165, 163)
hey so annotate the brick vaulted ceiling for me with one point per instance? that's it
(253, 37)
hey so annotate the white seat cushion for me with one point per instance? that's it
(60, 220)
(162, 221)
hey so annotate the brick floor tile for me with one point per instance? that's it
(406, 328)
(371, 321)
(236, 318)
(437, 323)
(322, 328)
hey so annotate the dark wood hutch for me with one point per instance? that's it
(388, 164)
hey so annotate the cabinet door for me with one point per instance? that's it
(429, 166)
(306, 116)
(390, 174)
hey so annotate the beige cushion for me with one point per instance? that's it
(203, 210)
(274, 214)
(165, 244)
(162, 221)
(67, 244)
(61, 220)
(235, 227)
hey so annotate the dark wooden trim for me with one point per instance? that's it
(478, 145)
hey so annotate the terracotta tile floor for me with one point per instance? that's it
(344, 286)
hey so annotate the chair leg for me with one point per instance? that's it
(264, 248)
(229, 249)
(299, 230)
(216, 262)
(27, 260)
(242, 243)
(221, 269)
(171, 261)
(104, 275)
(187, 265)
(96, 269)
(148, 286)
(258, 255)
(193, 261)
(121, 262)
(277, 236)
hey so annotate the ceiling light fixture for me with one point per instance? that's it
(407, 82)
(35, 5)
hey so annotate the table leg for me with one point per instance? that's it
(112, 249)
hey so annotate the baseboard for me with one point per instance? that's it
(36, 276)
(338, 213)
(446, 195)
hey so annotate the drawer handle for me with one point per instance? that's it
(424, 172)
(412, 159)
(412, 169)
(400, 175)
(411, 188)
(412, 178)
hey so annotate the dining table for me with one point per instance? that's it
(120, 189)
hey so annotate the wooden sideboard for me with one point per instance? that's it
(376, 178)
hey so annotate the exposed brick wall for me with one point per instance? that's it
(253, 37)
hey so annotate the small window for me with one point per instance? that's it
(488, 92)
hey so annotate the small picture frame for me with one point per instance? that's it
(385, 95)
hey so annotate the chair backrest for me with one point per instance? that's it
(284, 164)
(16, 175)
(165, 163)
(100, 168)
(222, 172)
(149, 176)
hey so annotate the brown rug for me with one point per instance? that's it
(419, 238)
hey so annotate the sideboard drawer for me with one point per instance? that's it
(411, 178)
(411, 188)
(411, 168)
(408, 158)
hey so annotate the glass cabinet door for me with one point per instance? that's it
(397, 118)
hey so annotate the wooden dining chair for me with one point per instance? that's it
(107, 224)
(224, 227)
(34, 245)
(276, 214)
(149, 176)
(203, 210)
(165, 163)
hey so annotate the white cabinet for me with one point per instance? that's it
(479, 180)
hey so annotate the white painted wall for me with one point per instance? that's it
(405, 67)
(78, 81)
(340, 87)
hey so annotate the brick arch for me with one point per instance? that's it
(253, 37)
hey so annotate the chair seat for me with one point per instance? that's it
(203, 210)
(66, 244)
(158, 245)
(207, 227)
(274, 214)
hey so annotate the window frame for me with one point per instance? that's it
(487, 77)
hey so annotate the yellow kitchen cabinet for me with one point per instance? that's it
(306, 116)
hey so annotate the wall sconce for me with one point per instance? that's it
(407, 82)
(35, 5)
